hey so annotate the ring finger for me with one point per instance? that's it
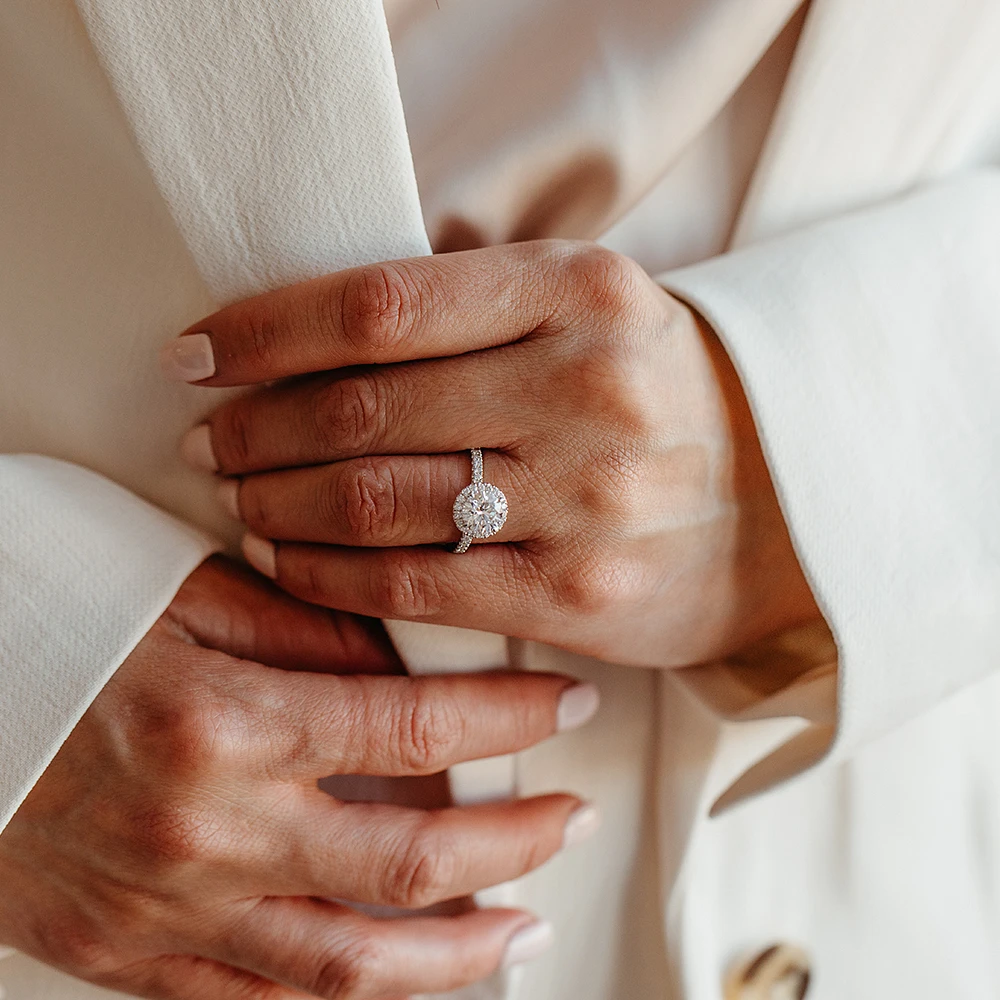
(377, 501)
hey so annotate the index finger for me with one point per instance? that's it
(400, 310)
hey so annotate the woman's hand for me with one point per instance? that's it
(179, 848)
(643, 526)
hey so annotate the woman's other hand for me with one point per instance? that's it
(643, 526)
(178, 846)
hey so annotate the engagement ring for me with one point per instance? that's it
(480, 509)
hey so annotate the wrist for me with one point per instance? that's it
(775, 594)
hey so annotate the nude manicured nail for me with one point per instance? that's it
(261, 554)
(228, 494)
(581, 825)
(197, 450)
(528, 943)
(189, 358)
(577, 705)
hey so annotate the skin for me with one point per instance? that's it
(179, 848)
(643, 526)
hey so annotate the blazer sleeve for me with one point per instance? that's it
(86, 568)
(869, 350)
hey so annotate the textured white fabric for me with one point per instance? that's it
(248, 111)
(85, 566)
(854, 859)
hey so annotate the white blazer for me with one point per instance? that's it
(153, 169)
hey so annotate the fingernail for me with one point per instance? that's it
(577, 705)
(197, 450)
(261, 554)
(582, 824)
(189, 358)
(228, 494)
(528, 943)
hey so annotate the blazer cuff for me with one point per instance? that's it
(869, 351)
(86, 568)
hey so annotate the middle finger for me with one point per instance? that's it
(427, 406)
(412, 858)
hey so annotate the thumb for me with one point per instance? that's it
(225, 606)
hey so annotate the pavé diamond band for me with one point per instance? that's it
(480, 509)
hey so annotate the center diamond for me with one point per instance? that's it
(480, 510)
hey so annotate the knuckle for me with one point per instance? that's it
(350, 412)
(176, 832)
(611, 490)
(233, 437)
(74, 945)
(197, 736)
(404, 592)
(368, 501)
(607, 386)
(351, 972)
(636, 412)
(262, 333)
(425, 872)
(599, 281)
(594, 586)
(379, 304)
(429, 728)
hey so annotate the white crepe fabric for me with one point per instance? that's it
(859, 304)
(275, 133)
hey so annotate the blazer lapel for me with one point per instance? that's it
(274, 130)
(857, 123)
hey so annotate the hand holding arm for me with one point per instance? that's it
(643, 526)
